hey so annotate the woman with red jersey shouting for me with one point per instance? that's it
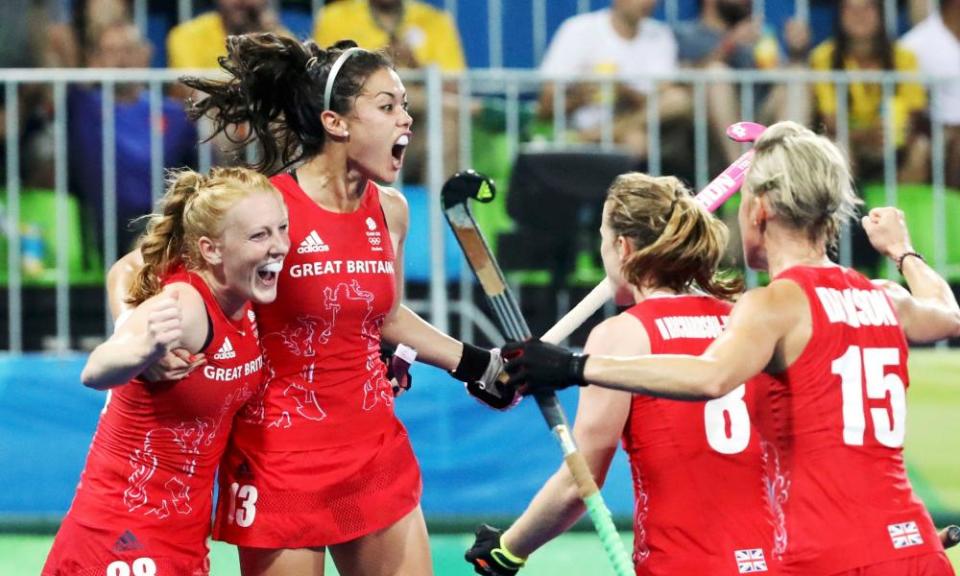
(319, 459)
(144, 501)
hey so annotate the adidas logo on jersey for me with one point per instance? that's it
(311, 244)
(226, 351)
(127, 542)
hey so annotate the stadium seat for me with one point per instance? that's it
(38, 208)
(556, 199)
(916, 201)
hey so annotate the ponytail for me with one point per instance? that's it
(193, 206)
(679, 244)
(162, 244)
(276, 86)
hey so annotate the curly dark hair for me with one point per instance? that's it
(275, 84)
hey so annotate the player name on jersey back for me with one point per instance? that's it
(341, 266)
(856, 307)
(709, 326)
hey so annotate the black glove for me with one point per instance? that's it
(534, 365)
(489, 557)
(480, 370)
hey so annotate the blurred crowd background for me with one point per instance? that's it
(576, 91)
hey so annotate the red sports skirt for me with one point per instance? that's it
(935, 564)
(318, 497)
(80, 550)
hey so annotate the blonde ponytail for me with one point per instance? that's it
(193, 206)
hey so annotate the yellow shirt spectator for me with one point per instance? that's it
(197, 43)
(429, 32)
(866, 100)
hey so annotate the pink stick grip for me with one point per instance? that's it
(745, 131)
(726, 184)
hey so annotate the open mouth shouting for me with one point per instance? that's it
(268, 273)
(399, 149)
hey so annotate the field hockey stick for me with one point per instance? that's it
(456, 192)
(465, 185)
(745, 131)
(950, 536)
(712, 197)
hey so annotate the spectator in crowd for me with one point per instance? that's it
(30, 33)
(82, 22)
(197, 43)
(23, 31)
(415, 35)
(727, 36)
(861, 43)
(936, 43)
(120, 45)
(622, 39)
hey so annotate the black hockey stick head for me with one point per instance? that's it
(467, 184)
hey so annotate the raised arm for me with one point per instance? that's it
(178, 362)
(174, 318)
(929, 311)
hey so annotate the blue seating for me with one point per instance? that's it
(416, 257)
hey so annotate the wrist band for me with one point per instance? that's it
(473, 363)
(508, 555)
(904, 256)
(579, 363)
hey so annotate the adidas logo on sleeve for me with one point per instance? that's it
(312, 243)
(226, 351)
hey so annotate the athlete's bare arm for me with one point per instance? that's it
(929, 311)
(601, 416)
(175, 318)
(768, 328)
(119, 278)
(178, 362)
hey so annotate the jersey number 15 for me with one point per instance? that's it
(857, 367)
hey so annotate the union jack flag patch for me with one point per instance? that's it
(905, 534)
(750, 561)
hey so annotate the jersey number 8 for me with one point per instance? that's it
(727, 422)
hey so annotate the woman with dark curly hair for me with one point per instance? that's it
(319, 459)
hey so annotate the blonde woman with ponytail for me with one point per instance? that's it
(834, 345)
(697, 487)
(144, 502)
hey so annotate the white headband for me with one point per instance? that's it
(332, 77)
